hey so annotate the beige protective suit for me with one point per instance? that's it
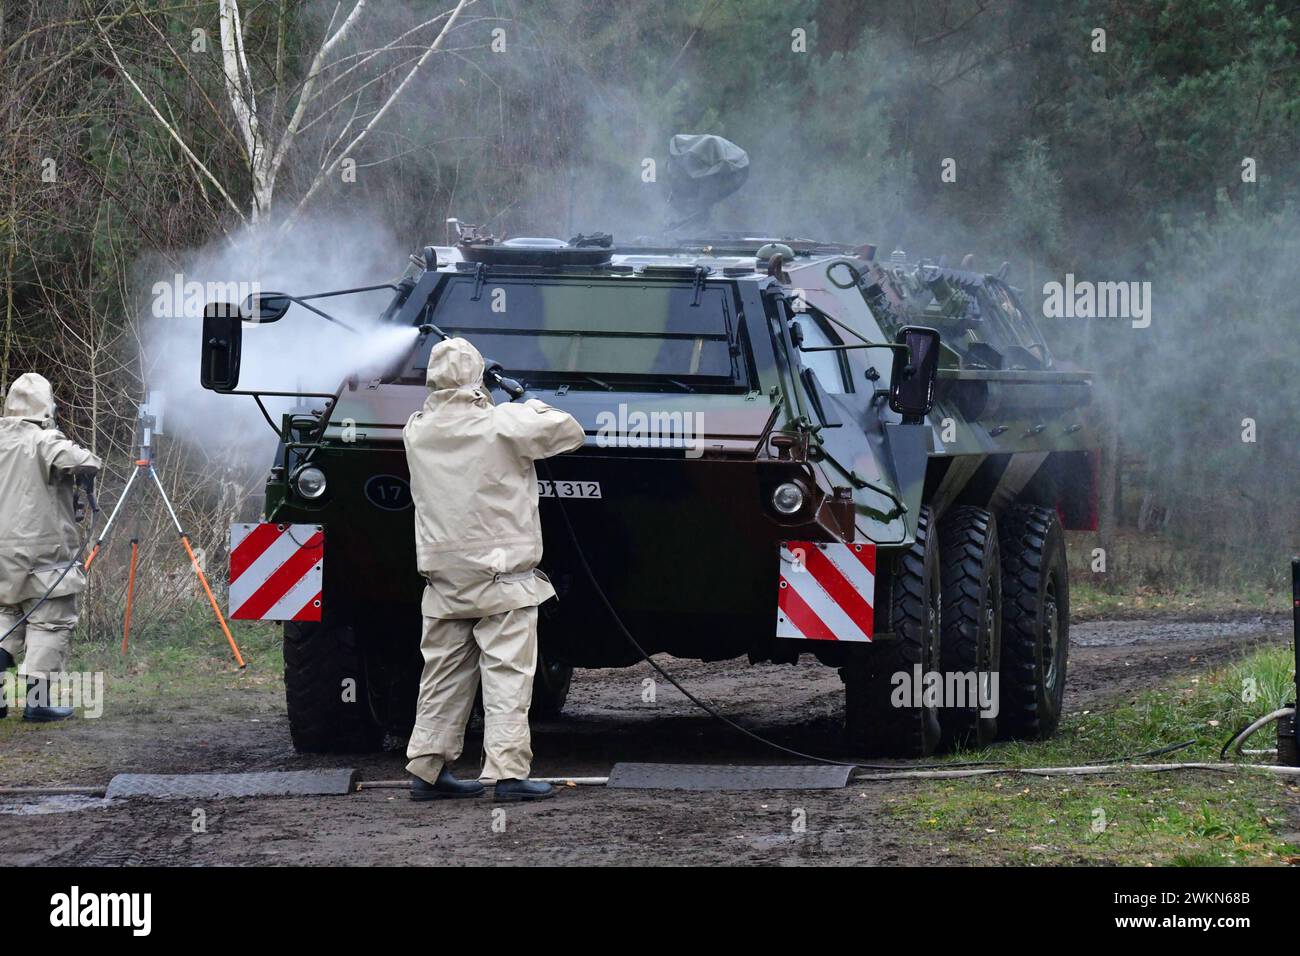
(38, 532)
(478, 541)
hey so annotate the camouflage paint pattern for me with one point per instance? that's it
(684, 540)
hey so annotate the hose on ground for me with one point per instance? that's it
(1158, 752)
(1236, 741)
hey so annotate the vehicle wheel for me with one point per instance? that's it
(971, 638)
(1035, 622)
(550, 688)
(327, 714)
(871, 718)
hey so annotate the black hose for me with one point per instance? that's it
(1241, 736)
(1152, 753)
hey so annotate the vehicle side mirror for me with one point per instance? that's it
(222, 339)
(266, 307)
(911, 385)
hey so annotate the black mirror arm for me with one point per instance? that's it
(892, 346)
(331, 404)
(364, 288)
(304, 301)
(321, 312)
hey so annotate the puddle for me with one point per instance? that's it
(55, 803)
(1122, 633)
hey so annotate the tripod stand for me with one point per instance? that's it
(144, 466)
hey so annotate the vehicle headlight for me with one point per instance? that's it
(787, 499)
(309, 482)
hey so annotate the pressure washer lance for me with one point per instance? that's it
(494, 371)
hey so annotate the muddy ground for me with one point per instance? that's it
(606, 720)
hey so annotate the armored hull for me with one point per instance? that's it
(745, 487)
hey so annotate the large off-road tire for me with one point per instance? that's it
(873, 723)
(970, 641)
(327, 714)
(1035, 622)
(550, 688)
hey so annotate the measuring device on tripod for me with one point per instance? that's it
(149, 423)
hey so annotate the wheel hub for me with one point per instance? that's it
(1051, 637)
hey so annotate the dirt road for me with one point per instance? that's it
(606, 720)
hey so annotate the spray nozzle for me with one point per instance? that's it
(495, 375)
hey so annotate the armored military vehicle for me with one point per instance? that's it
(794, 448)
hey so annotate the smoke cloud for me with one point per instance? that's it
(301, 352)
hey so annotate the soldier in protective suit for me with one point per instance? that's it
(478, 542)
(38, 540)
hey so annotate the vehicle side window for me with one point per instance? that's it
(829, 366)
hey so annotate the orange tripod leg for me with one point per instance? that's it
(130, 593)
(185, 540)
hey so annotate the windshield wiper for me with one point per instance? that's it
(595, 381)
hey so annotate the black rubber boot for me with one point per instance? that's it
(446, 787)
(38, 709)
(509, 791)
(6, 662)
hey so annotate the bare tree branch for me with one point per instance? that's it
(328, 171)
(171, 131)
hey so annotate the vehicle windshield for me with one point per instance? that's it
(598, 332)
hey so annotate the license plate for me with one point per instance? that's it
(568, 489)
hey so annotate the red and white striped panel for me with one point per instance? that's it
(276, 572)
(826, 591)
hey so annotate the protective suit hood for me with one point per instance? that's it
(455, 363)
(31, 398)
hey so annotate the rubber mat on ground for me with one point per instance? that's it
(217, 786)
(676, 776)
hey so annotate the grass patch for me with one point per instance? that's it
(1206, 707)
(180, 675)
(1180, 818)
(1197, 818)
(1148, 573)
(187, 664)
(1090, 602)
(187, 659)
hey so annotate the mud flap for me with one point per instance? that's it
(908, 449)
